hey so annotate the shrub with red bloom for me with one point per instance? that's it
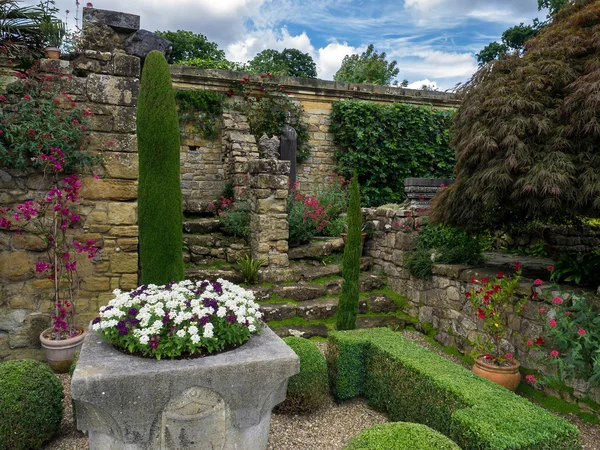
(552, 323)
(554, 354)
(537, 282)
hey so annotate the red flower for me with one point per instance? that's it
(484, 280)
(529, 342)
(26, 97)
(468, 295)
(530, 379)
(480, 313)
(552, 323)
(500, 275)
(581, 332)
(488, 356)
(509, 356)
(537, 282)
(567, 313)
(539, 341)
(557, 301)
(554, 353)
(473, 280)
(550, 268)
(541, 311)
(517, 265)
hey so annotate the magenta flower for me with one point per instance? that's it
(538, 282)
(557, 301)
(554, 353)
(552, 323)
(581, 332)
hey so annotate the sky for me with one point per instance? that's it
(433, 41)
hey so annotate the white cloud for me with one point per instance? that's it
(329, 59)
(426, 82)
(246, 48)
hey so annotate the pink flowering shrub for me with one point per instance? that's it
(36, 115)
(234, 215)
(306, 217)
(50, 216)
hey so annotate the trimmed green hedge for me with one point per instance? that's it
(387, 143)
(400, 436)
(413, 384)
(308, 389)
(30, 404)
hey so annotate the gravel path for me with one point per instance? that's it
(329, 428)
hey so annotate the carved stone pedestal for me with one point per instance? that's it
(221, 402)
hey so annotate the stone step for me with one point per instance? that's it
(317, 249)
(199, 273)
(304, 291)
(325, 308)
(321, 330)
(201, 226)
(308, 272)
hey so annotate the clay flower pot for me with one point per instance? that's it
(59, 353)
(53, 52)
(363, 235)
(507, 376)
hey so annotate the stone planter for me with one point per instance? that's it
(218, 402)
(508, 377)
(59, 354)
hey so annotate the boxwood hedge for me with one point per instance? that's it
(30, 404)
(308, 388)
(412, 384)
(400, 436)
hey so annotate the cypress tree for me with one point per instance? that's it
(159, 190)
(348, 304)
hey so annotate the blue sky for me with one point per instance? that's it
(434, 41)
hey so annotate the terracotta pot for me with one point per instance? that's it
(508, 377)
(364, 236)
(53, 52)
(59, 354)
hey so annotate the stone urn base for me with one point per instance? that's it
(508, 377)
(60, 354)
(217, 402)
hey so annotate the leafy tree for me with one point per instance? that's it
(21, 24)
(188, 45)
(370, 67)
(290, 62)
(527, 131)
(159, 190)
(553, 5)
(348, 303)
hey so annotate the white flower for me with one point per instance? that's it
(144, 340)
(181, 333)
(195, 338)
(193, 330)
(251, 328)
(222, 311)
(208, 330)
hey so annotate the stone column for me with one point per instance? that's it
(267, 191)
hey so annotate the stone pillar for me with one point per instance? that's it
(420, 191)
(267, 191)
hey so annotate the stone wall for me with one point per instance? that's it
(105, 80)
(441, 301)
(558, 239)
(316, 97)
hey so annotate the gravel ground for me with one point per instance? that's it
(329, 428)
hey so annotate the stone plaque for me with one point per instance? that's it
(194, 420)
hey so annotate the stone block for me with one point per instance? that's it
(124, 262)
(112, 90)
(95, 284)
(11, 320)
(120, 213)
(15, 266)
(128, 282)
(28, 242)
(108, 189)
(126, 65)
(122, 165)
(125, 231)
(118, 21)
(222, 401)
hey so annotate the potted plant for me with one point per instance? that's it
(49, 217)
(53, 32)
(494, 300)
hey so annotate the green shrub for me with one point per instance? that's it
(31, 404)
(412, 384)
(308, 389)
(440, 244)
(388, 143)
(201, 109)
(400, 436)
(250, 267)
(348, 303)
(159, 190)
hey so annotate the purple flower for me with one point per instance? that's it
(132, 312)
(217, 287)
(230, 318)
(203, 320)
(96, 320)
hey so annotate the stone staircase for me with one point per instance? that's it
(300, 300)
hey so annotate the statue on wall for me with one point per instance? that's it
(268, 147)
(288, 147)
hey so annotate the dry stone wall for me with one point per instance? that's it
(105, 80)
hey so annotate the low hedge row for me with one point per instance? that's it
(307, 390)
(413, 384)
(400, 436)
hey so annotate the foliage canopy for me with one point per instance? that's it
(290, 62)
(370, 67)
(527, 132)
(188, 45)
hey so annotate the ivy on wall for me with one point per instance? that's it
(387, 143)
(202, 109)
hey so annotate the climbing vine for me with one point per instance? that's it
(201, 109)
(387, 143)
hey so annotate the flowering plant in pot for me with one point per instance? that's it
(179, 320)
(494, 301)
(49, 217)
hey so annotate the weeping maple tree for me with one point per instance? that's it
(527, 134)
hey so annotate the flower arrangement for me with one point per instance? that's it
(49, 217)
(493, 301)
(179, 319)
